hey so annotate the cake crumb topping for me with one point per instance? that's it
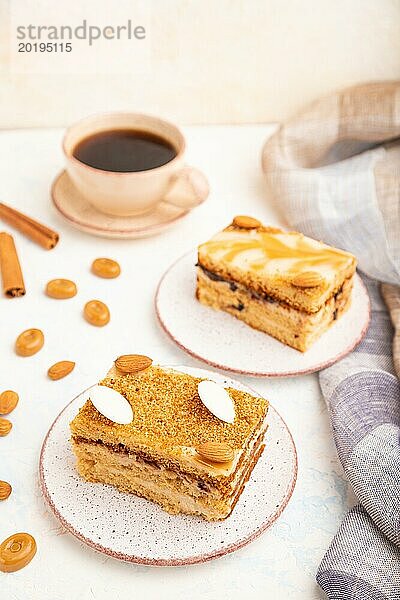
(169, 413)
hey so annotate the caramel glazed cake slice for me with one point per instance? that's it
(282, 283)
(175, 452)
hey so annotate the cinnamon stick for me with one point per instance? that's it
(37, 232)
(11, 274)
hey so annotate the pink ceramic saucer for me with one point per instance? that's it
(135, 530)
(226, 343)
(82, 215)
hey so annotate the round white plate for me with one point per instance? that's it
(136, 530)
(224, 342)
(82, 215)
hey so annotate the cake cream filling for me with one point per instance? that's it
(166, 487)
(177, 480)
(290, 325)
(279, 305)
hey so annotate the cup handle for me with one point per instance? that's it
(187, 188)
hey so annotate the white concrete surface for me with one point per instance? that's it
(282, 563)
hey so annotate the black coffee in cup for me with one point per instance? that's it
(124, 151)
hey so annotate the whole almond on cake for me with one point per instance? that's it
(308, 279)
(216, 452)
(244, 222)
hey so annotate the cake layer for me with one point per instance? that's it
(293, 327)
(268, 261)
(209, 479)
(174, 491)
(170, 420)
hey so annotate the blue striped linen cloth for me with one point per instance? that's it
(333, 172)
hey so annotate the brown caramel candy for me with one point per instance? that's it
(96, 313)
(5, 490)
(16, 552)
(61, 289)
(29, 342)
(106, 268)
(8, 401)
(5, 427)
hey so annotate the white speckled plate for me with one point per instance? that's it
(224, 342)
(136, 530)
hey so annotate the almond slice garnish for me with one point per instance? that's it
(111, 404)
(218, 401)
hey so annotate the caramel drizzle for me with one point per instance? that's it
(272, 248)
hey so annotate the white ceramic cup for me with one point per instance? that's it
(135, 193)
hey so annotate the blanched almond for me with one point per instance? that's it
(216, 452)
(60, 369)
(132, 363)
(111, 404)
(217, 399)
(8, 401)
(308, 279)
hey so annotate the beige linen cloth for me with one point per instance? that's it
(333, 172)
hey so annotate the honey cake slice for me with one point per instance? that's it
(157, 455)
(282, 283)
